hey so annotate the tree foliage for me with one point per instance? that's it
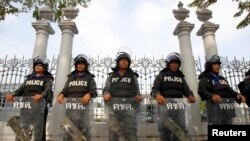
(23, 6)
(243, 7)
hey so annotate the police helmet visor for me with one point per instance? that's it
(81, 58)
(173, 57)
(124, 52)
(39, 60)
(214, 59)
(124, 49)
(123, 55)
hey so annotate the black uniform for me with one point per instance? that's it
(122, 88)
(76, 87)
(210, 84)
(36, 85)
(244, 87)
(170, 85)
(31, 86)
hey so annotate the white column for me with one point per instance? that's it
(207, 31)
(68, 28)
(43, 30)
(183, 30)
(188, 65)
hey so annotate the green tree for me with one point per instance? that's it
(243, 6)
(23, 6)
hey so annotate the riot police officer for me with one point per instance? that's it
(244, 87)
(37, 85)
(122, 84)
(169, 84)
(215, 90)
(80, 84)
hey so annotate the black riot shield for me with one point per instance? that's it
(227, 111)
(173, 120)
(28, 122)
(76, 121)
(122, 118)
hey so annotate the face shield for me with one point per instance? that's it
(124, 52)
(81, 58)
(215, 59)
(40, 60)
(173, 57)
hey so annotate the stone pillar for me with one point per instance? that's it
(43, 30)
(68, 28)
(207, 31)
(183, 30)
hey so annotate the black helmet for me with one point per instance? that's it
(42, 61)
(173, 57)
(123, 52)
(81, 58)
(122, 55)
(215, 59)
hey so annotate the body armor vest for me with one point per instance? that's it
(34, 85)
(123, 86)
(222, 88)
(78, 87)
(172, 86)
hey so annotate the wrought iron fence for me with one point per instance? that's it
(13, 71)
